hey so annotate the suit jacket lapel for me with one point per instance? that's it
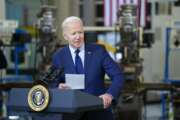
(88, 55)
(69, 61)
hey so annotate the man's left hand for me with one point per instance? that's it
(107, 99)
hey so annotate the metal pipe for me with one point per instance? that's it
(95, 28)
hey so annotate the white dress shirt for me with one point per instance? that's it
(81, 53)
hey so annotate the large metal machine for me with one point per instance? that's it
(130, 44)
(131, 62)
(46, 30)
(46, 37)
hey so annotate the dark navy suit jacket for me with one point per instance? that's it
(97, 63)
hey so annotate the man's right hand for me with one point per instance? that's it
(63, 86)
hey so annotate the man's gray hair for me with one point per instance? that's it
(69, 20)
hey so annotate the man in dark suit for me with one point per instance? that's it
(95, 63)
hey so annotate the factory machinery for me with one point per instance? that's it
(130, 44)
(135, 91)
(131, 63)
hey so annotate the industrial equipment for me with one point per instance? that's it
(129, 45)
(46, 29)
(131, 62)
(171, 73)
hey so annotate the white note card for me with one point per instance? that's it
(75, 81)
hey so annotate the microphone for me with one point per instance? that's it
(52, 74)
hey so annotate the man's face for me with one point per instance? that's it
(74, 34)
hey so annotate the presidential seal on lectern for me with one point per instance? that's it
(38, 98)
